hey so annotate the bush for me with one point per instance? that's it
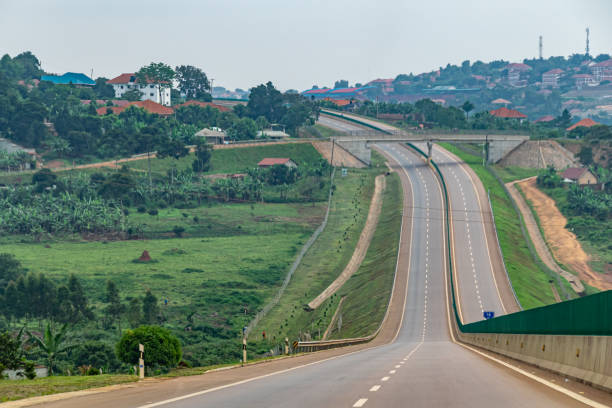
(178, 230)
(95, 354)
(161, 347)
(142, 209)
(153, 212)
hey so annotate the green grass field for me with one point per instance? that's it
(238, 159)
(512, 173)
(530, 281)
(367, 291)
(18, 389)
(326, 259)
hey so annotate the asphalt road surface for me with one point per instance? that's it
(422, 368)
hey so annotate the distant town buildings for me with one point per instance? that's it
(586, 122)
(602, 71)
(516, 72)
(550, 79)
(156, 92)
(582, 80)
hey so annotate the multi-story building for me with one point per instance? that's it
(515, 73)
(583, 80)
(550, 79)
(602, 71)
(156, 92)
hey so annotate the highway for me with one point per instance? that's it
(421, 367)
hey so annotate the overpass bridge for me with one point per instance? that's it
(357, 139)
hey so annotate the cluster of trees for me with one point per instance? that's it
(586, 201)
(10, 161)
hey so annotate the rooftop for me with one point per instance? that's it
(586, 122)
(573, 173)
(74, 78)
(204, 104)
(507, 113)
(127, 79)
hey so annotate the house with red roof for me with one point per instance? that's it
(149, 106)
(506, 113)
(602, 71)
(586, 122)
(204, 105)
(272, 161)
(550, 79)
(157, 92)
(385, 85)
(579, 175)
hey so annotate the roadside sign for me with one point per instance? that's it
(295, 344)
(488, 315)
(344, 172)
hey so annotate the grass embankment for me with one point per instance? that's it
(367, 291)
(325, 260)
(18, 389)
(530, 281)
(236, 159)
(511, 173)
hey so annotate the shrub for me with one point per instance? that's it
(153, 212)
(161, 347)
(95, 354)
(142, 209)
(178, 230)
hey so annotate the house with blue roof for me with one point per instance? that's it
(74, 78)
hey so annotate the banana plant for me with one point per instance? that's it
(51, 344)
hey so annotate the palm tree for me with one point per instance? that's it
(51, 344)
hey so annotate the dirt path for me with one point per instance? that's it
(341, 157)
(362, 245)
(563, 243)
(537, 239)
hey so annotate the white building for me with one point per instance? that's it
(158, 93)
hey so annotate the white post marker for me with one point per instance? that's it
(141, 373)
(286, 345)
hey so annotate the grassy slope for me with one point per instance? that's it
(17, 389)
(237, 160)
(530, 282)
(326, 259)
(512, 173)
(367, 292)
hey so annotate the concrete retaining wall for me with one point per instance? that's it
(357, 148)
(583, 358)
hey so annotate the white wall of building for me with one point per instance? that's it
(153, 92)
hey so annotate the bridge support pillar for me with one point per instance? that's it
(429, 147)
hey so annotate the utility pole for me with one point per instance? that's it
(141, 371)
(244, 348)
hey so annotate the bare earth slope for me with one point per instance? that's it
(563, 243)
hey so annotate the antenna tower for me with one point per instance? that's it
(540, 47)
(587, 41)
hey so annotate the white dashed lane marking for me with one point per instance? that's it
(360, 402)
(375, 388)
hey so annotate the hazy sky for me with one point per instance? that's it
(294, 43)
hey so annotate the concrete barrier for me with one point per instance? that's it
(586, 359)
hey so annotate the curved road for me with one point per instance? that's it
(422, 367)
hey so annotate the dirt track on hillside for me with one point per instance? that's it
(563, 243)
(362, 245)
(538, 241)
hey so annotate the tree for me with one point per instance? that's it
(342, 83)
(10, 270)
(59, 146)
(132, 95)
(193, 83)
(243, 129)
(78, 300)
(114, 309)
(467, 105)
(95, 354)
(51, 344)
(203, 153)
(564, 120)
(10, 352)
(150, 309)
(157, 73)
(102, 89)
(266, 100)
(585, 155)
(161, 347)
(134, 314)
